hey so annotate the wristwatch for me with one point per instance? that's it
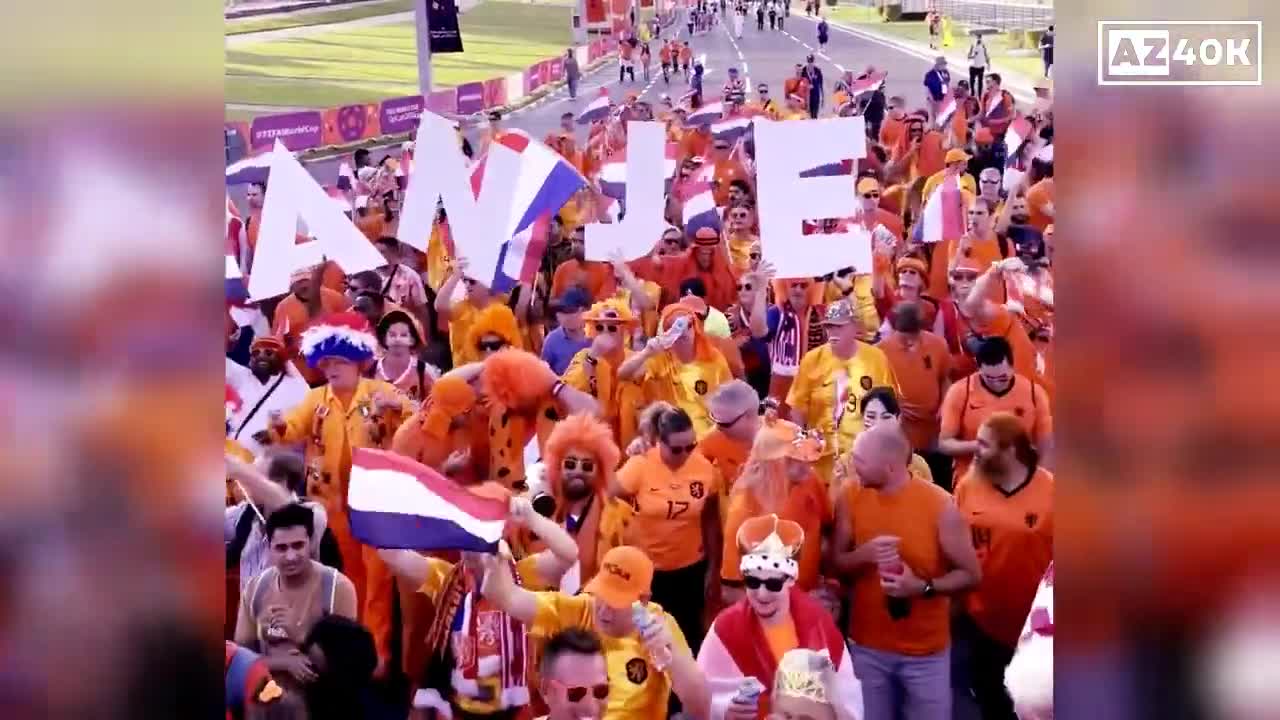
(928, 589)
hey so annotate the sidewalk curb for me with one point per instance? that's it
(1021, 88)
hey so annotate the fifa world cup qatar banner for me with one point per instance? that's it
(297, 130)
(400, 115)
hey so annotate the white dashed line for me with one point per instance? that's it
(745, 68)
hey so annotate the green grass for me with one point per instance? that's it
(317, 17)
(367, 64)
(998, 45)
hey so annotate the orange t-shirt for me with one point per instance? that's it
(912, 514)
(686, 53)
(808, 504)
(594, 277)
(1013, 536)
(726, 455)
(969, 403)
(1038, 196)
(890, 130)
(668, 505)
(921, 369)
(664, 54)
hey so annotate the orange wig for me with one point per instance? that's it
(496, 319)
(515, 379)
(581, 432)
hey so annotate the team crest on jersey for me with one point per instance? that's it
(1032, 519)
(1019, 411)
(697, 490)
(700, 387)
(637, 671)
(865, 382)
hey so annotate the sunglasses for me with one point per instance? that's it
(469, 281)
(601, 327)
(755, 256)
(871, 195)
(802, 285)
(259, 352)
(491, 345)
(680, 449)
(744, 286)
(574, 463)
(575, 693)
(771, 584)
(726, 424)
(989, 181)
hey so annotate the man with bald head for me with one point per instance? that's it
(735, 408)
(906, 550)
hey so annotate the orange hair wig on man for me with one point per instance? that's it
(496, 319)
(515, 379)
(585, 433)
(1010, 433)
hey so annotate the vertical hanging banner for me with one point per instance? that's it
(442, 21)
(597, 13)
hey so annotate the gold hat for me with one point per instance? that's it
(805, 674)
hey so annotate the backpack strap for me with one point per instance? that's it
(260, 584)
(328, 588)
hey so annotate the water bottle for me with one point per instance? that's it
(673, 333)
(640, 617)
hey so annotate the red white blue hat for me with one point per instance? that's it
(344, 335)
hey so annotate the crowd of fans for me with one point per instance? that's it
(733, 495)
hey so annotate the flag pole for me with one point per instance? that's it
(421, 12)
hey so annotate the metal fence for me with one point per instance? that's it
(999, 15)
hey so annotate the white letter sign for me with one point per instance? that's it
(642, 225)
(477, 223)
(784, 149)
(278, 253)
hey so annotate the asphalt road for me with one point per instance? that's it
(762, 56)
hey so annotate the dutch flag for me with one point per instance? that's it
(597, 110)
(396, 503)
(942, 218)
(730, 129)
(1018, 133)
(996, 109)
(521, 256)
(249, 170)
(832, 169)
(867, 83)
(706, 115)
(946, 108)
(613, 174)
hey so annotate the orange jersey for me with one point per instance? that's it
(969, 403)
(890, 130)
(668, 506)
(726, 455)
(1013, 536)
(912, 514)
(921, 368)
(985, 252)
(686, 54)
(1039, 203)
(664, 55)
(808, 505)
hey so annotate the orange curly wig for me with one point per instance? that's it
(496, 319)
(582, 432)
(516, 379)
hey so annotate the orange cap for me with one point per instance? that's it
(956, 155)
(867, 184)
(624, 577)
(965, 262)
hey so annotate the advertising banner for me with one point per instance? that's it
(400, 115)
(470, 98)
(495, 92)
(442, 24)
(350, 123)
(443, 102)
(297, 130)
